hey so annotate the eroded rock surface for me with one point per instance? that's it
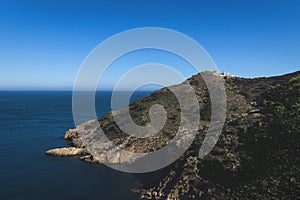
(66, 151)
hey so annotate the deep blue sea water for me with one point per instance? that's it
(34, 121)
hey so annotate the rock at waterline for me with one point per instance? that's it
(65, 151)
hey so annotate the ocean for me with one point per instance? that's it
(34, 121)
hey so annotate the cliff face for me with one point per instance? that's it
(256, 156)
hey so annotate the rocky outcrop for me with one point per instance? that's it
(66, 151)
(72, 136)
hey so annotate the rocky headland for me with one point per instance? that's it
(256, 156)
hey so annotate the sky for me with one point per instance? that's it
(43, 43)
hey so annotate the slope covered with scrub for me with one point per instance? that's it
(256, 156)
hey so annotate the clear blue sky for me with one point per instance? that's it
(43, 43)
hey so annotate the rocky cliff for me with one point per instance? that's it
(256, 156)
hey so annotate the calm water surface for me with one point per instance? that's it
(33, 122)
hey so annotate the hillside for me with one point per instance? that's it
(256, 156)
